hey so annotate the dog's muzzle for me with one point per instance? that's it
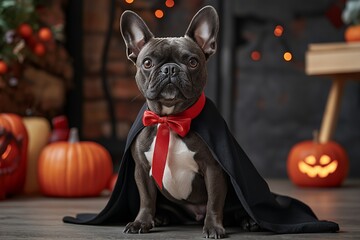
(170, 70)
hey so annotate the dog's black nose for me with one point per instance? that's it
(171, 69)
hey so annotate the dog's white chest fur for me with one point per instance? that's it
(180, 167)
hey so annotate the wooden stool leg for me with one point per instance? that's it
(331, 111)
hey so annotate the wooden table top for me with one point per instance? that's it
(342, 59)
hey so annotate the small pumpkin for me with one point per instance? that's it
(352, 33)
(74, 168)
(315, 164)
(13, 154)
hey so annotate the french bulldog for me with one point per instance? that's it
(171, 75)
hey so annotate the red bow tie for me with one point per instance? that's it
(179, 123)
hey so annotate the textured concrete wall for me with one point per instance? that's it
(277, 104)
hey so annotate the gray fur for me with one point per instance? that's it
(171, 74)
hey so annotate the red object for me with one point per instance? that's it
(74, 168)
(334, 12)
(39, 49)
(255, 55)
(60, 130)
(179, 123)
(314, 164)
(13, 154)
(25, 30)
(3, 67)
(45, 34)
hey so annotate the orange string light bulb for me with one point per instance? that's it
(159, 13)
(287, 56)
(278, 31)
(169, 3)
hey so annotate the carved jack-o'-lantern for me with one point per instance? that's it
(13, 146)
(318, 168)
(314, 164)
(9, 151)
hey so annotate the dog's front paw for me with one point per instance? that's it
(249, 225)
(138, 227)
(215, 232)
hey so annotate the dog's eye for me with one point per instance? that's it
(147, 63)
(193, 63)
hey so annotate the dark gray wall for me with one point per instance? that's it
(277, 104)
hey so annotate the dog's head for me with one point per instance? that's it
(171, 72)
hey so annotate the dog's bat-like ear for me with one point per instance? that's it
(135, 33)
(203, 29)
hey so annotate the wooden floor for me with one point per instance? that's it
(40, 218)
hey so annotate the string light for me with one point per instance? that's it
(129, 1)
(169, 3)
(255, 55)
(287, 56)
(159, 13)
(278, 31)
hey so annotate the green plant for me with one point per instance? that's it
(13, 15)
(32, 56)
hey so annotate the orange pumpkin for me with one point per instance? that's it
(352, 33)
(13, 154)
(314, 164)
(73, 168)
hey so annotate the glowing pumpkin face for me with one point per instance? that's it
(325, 167)
(314, 164)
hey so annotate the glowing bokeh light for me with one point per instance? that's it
(278, 31)
(255, 55)
(159, 13)
(129, 1)
(287, 56)
(169, 3)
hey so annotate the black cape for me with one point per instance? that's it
(247, 189)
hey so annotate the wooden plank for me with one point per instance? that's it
(40, 217)
(345, 60)
(333, 46)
